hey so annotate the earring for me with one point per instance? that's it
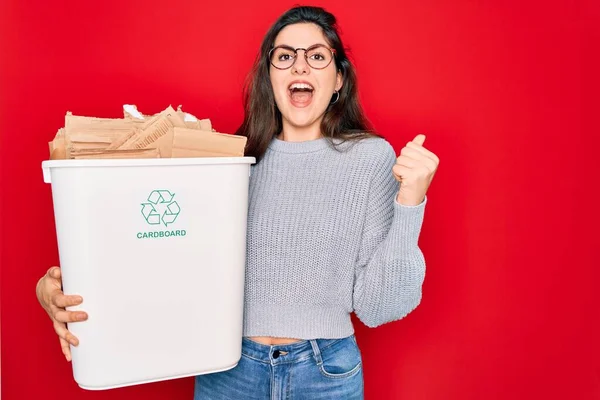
(337, 98)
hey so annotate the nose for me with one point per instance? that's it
(300, 66)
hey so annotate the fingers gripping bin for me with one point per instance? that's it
(156, 248)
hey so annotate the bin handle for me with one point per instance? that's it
(46, 172)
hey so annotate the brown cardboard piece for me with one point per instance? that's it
(92, 133)
(113, 154)
(205, 125)
(197, 143)
(158, 133)
(57, 146)
(194, 123)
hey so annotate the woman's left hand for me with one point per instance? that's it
(414, 170)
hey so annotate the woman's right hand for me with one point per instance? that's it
(51, 297)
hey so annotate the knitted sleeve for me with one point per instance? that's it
(390, 267)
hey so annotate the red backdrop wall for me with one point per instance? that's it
(506, 93)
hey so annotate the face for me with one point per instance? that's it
(302, 93)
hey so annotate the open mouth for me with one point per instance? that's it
(301, 94)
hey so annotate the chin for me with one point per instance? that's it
(302, 120)
(302, 123)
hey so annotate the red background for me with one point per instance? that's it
(506, 93)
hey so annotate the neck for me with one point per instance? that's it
(292, 133)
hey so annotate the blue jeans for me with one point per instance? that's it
(305, 370)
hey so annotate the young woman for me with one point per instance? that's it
(330, 229)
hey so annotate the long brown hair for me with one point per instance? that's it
(344, 119)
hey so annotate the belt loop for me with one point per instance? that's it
(316, 351)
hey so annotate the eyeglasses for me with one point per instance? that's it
(317, 56)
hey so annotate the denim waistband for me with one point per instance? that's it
(287, 353)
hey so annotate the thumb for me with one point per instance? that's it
(54, 273)
(419, 139)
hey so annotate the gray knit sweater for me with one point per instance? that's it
(327, 237)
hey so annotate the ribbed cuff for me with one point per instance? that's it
(406, 224)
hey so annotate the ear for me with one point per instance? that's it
(339, 80)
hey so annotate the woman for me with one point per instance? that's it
(330, 231)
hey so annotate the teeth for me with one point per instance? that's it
(301, 86)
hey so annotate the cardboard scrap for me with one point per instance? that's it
(134, 153)
(199, 143)
(58, 146)
(170, 133)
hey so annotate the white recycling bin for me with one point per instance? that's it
(157, 249)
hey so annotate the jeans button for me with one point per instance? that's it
(276, 354)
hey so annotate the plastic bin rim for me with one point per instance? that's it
(140, 162)
(146, 162)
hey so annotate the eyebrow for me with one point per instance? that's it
(292, 47)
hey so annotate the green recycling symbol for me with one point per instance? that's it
(160, 208)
